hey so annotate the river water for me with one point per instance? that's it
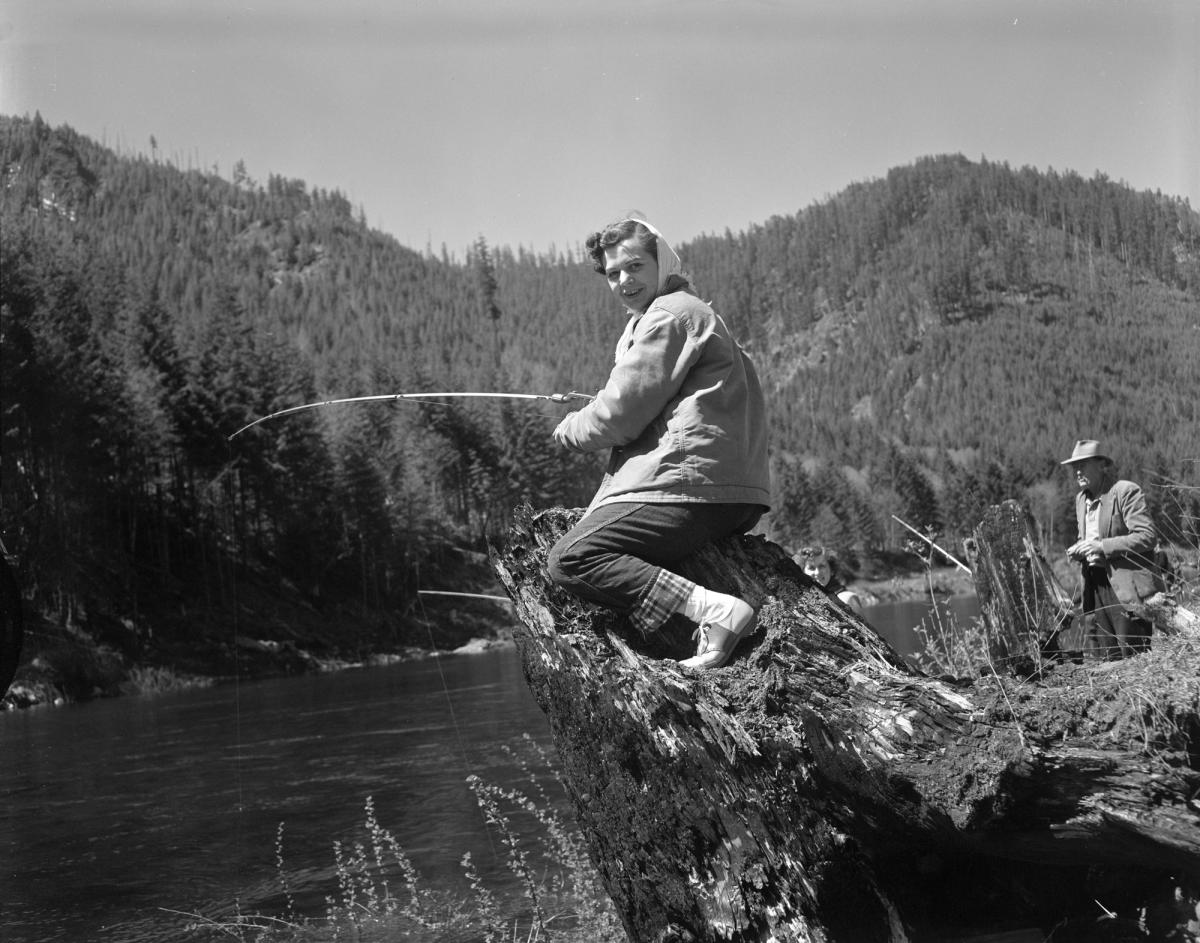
(118, 816)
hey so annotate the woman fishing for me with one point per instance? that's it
(684, 417)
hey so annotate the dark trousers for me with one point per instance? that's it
(1109, 630)
(614, 554)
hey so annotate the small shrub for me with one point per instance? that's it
(380, 895)
(950, 648)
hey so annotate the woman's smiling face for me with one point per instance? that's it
(632, 274)
(818, 570)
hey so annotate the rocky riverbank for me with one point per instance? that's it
(259, 635)
(71, 666)
(264, 637)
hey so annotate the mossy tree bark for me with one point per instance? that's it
(819, 789)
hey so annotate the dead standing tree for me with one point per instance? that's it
(1019, 597)
(818, 789)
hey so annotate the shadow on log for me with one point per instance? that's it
(819, 789)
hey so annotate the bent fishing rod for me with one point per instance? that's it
(418, 397)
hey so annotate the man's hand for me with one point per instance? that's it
(1088, 550)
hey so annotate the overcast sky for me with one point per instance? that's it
(532, 122)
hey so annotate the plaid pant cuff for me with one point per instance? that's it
(665, 596)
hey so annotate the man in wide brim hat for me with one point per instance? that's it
(1085, 449)
(1115, 550)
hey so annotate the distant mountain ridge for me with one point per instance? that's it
(979, 319)
(932, 342)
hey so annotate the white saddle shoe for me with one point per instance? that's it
(726, 621)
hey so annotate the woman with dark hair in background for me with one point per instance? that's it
(820, 566)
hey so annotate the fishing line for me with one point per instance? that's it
(462, 747)
(433, 399)
(237, 677)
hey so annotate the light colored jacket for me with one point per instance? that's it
(682, 411)
(1128, 539)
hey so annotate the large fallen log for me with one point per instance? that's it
(817, 788)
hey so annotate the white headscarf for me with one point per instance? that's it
(668, 260)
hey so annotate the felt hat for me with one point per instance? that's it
(1085, 449)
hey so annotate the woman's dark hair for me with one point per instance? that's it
(616, 233)
(809, 554)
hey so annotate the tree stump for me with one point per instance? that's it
(1022, 603)
(818, 789)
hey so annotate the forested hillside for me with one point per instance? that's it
(931, 342)
(938, 339)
